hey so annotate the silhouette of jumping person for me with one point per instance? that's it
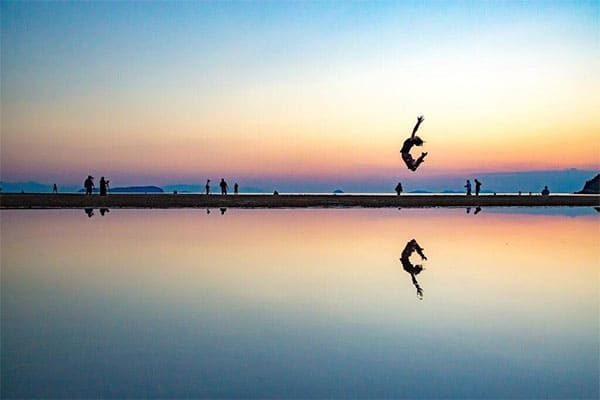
(54, 188)
(207, 186)
(398, 189)
(103, 186)
(223, 186)
(236, 188)
(477, 187)
(468, 186)
(413, 140)
(88, 184)
(411, 247)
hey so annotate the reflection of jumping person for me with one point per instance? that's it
(413, 140)
(413, 270)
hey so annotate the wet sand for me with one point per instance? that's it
(15, 201)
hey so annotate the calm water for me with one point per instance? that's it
(299, 303)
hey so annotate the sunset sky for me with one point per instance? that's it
(163, 92)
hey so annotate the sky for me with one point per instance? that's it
(165, 92)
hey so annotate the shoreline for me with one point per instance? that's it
(48, 200)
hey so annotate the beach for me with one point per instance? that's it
(19, 201)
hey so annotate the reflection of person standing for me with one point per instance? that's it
(468, 186)
(477, 187)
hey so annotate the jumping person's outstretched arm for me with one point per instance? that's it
(420, 119)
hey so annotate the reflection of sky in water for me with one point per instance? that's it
(299, 303)
(568, 211)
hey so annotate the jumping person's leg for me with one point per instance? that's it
(409, 161)
(420, 160)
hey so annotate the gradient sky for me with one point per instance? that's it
(158, 92)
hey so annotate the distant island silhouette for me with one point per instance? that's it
(592, 186)
(131, 189)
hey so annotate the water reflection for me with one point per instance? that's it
(223, 210)
(90, 211)
(165, 303)
(411, 247)
(477, 210)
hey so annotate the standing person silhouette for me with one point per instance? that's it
(398, 189)
(468, 187)
(207, 186)
(54, 188)
(89, 185)
(413, 140)
(236, 188)
(103, 186)
(477, 187)
(223, 186)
